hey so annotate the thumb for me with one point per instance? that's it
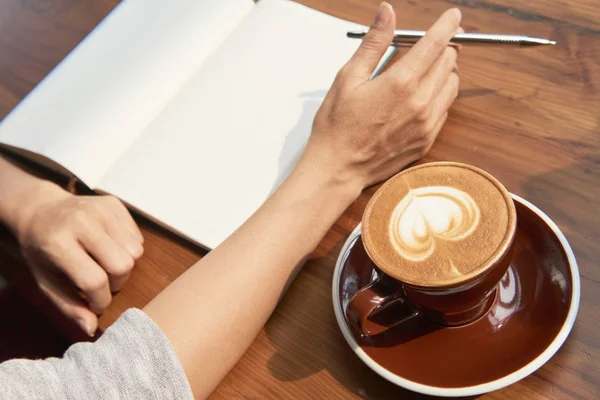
(375, 43)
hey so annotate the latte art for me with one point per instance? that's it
(430, 214)
(438, 224)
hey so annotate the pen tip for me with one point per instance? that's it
(552, 42)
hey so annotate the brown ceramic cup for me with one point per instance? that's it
(389, 301)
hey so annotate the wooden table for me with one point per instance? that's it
(531, 117)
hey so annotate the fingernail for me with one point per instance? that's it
(381, 16)
(86, 328)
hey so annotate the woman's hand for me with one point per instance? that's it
(79, 248)
(367, 130)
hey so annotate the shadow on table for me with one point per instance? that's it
(304, 350)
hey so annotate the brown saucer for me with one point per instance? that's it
(533, 313)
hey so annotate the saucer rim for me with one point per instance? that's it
(507, 380)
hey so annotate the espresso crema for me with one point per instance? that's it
(438, 224)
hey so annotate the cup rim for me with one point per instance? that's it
(478, 272)
(509, 379)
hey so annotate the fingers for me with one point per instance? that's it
(83, 271)
(67, 300)
(456, 45)
(438, 74)
(428, 49)
(120, 225)
(120, 211)
(374, 44)
(438, 126)
(110, 254)
(125, 238)
(446, 97)
(434, 133)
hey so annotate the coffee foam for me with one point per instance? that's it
(429, 213)
(437, 223)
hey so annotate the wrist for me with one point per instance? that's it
(325, 175)
(20, 204)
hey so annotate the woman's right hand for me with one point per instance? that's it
(367, 130)
(80, 249)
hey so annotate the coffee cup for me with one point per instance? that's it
(440, 235)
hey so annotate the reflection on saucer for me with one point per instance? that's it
(508, 301)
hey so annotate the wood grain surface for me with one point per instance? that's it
(531, 117)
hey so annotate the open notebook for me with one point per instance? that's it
(192, 111)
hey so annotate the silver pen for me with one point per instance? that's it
(408, 37)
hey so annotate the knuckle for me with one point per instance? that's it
(342, 73)
(137, 253)
(454, 76)
(374, 40)
(125, 266)
(129, 264)
(107, 203)
(90, 283)
(449, 60)
(402, 83)
(417, 105)
(55, 243)
(92, 233)
(423, 136)
(112, 200)
(79, 217)
(121, 267)
(424, 115)
(101, 305)
(428, 128)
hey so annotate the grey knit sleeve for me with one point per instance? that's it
(132, 360)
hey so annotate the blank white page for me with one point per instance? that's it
(93, 105)
(236, 129)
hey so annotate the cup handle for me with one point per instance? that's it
(373, 298)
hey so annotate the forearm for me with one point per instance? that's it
(213, 312)
(365, 128)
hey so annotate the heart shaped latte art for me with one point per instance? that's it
(428, 214)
